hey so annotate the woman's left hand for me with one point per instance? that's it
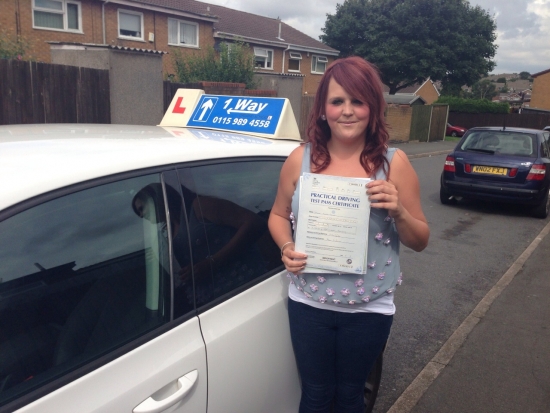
(384, 194)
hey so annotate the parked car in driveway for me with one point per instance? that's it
(137, 271)
(455, 131)
(508, 165)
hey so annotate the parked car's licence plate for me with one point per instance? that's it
(489, 170)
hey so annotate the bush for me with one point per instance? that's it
(473, 105)
(13, 46)
(233, 63)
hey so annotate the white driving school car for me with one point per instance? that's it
(137, 272)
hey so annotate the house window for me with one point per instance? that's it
(263, 58)
(130, 24)
(318, 64)
(294, 61)
(57, 15)
(182, 33)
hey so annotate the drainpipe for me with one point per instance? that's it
(103, 19)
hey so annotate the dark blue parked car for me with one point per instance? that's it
(500, 164)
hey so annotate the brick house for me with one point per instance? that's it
(540, 96)
(426, 90)
(188, 26)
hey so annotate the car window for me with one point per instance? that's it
(545, 145)
(501, 142)
(227, 208)
(81, 275)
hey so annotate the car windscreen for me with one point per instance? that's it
(501, 142)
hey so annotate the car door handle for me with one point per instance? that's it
(185, 384)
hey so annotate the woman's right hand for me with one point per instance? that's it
(294, 261)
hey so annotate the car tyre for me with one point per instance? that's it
(372, 384)
(454, 134)
(446, 198)
(541, 210)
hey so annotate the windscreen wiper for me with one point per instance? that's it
(490, 151)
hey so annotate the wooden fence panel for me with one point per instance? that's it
(23, 93)
(420, 123)
(36, 113)
(32, 92)
(520, 120)
(307, 106)
(85, 106)
(438, 122)
(92, 86)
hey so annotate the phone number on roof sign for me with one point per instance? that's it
(240, 121)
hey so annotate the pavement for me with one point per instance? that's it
(416, 149)
(498, 360)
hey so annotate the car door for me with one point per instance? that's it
(87, 318)
(241, 290)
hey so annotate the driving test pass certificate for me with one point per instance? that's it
(333, 223)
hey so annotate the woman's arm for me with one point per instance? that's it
(249, 226)
(400, 195)
(279, 219)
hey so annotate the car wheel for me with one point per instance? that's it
(373, 384)
(446, 198)
(454, 134)
(541, 210)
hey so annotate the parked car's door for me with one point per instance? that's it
(161, 292)
(86, 309)
(242, 301)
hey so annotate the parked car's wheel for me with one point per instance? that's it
(373, 384)
(454, 134)
(541, 210)
(446, 198)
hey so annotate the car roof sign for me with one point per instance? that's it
(265, 117)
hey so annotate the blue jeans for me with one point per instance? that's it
(335, 352)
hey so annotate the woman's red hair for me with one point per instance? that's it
(360, 79)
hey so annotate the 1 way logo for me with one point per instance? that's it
(247, 106)
(240, 114)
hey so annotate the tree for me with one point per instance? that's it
(13, 46)
(451, 90)
(524, 75)
(233, 63)
(411, 40)
(501, 80)
(484, 89)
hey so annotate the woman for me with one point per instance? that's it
(339, 324)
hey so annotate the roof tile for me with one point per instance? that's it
(244, 24)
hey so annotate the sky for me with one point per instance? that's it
(523, 26)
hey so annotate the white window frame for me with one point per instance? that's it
(295, 56)
(179, 22)
(263, 52)
(315, 59)
(135, 13)
(63, 11)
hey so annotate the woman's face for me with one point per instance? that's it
(347, 117)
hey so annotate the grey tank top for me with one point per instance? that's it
(383, 272)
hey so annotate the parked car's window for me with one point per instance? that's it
(80, 275)
(227, 209)
(502, 142)
(545, 145)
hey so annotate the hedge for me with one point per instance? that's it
(473, 105)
